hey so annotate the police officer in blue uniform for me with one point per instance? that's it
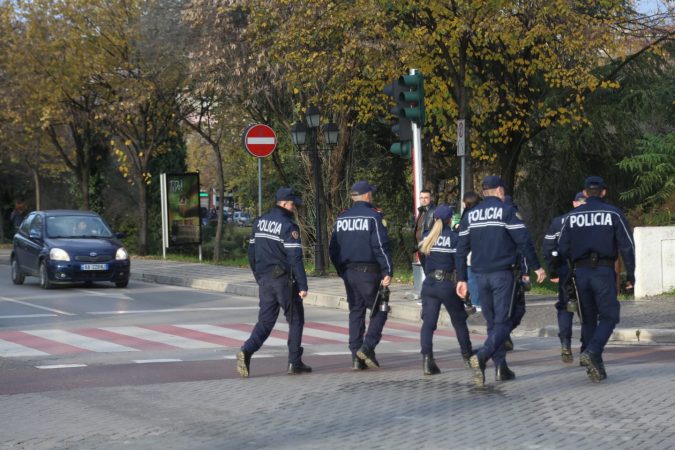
(493, 234)
(522, 284)
(591, 238)
(275, 257)
(558, 270)
(438, 289)
(359, 250)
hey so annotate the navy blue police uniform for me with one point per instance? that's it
(558, 269)
(518, 311)
(439, 289)
(359, 250)
(591, 238)
(275, 257)
(494, 235)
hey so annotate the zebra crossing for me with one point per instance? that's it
(114, 339)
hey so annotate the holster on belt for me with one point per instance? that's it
(442, 275)
(278, 272)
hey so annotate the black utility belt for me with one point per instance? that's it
(602, 262)
(442, 275)
(362, 267)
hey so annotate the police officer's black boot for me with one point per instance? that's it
(243, 363)
(566, 354)
(595, 368)
(298, 368)
(503, 373)
(357, 364)
(367, 355)
(478, 366)
(508, 344)
(429, 366)
(466, 356)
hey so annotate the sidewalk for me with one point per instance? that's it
(653, 318)
(642, 321)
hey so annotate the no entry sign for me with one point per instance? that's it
(260, 140)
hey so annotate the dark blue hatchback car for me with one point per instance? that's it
(68, 246)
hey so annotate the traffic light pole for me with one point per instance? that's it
(417, 165)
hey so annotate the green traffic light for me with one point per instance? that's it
(402, 149)
(411, 97)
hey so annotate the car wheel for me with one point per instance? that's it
(122, 284)
(17, 276)
(45, 282)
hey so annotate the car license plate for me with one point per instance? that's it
(94, 267)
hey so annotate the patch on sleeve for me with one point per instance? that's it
(384, 223)
(295, 234)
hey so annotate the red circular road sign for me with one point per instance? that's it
(260, 140)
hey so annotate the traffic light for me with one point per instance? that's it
(403, 128)
(411, 97)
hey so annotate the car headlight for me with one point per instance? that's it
(58, 254)
(121, 254)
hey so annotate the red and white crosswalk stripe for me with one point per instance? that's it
(37, 343)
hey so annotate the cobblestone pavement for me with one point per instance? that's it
(548, 406)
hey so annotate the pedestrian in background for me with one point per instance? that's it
(558, 270)
(359, 250)
(275, 257)
(439, 246)
(425, 219)
(591, 238)
(17, 215)
(493, 234)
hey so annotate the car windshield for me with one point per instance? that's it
(77, 227)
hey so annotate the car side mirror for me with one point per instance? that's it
(34, 234)
(120, 235)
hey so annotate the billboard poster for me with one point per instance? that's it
(182, 203)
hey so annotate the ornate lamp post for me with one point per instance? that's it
(299, 135)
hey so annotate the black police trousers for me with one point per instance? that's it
(275, 293)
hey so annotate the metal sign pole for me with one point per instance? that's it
(165, 214)
(259, 187)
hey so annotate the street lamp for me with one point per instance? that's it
(299, 132)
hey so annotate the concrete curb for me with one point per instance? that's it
(405, 311)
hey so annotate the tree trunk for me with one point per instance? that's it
(143, 216)
(36, 179)
(221, 196)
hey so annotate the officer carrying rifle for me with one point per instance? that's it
(359, 250)
(591, 238)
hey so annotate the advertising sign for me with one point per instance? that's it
(183, 208)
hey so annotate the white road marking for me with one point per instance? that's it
(87, 343)
(28, 316)
(163, 338)
(150, 361)
(58, 311)
(10, 349)
(172, 310)
(61, 366)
